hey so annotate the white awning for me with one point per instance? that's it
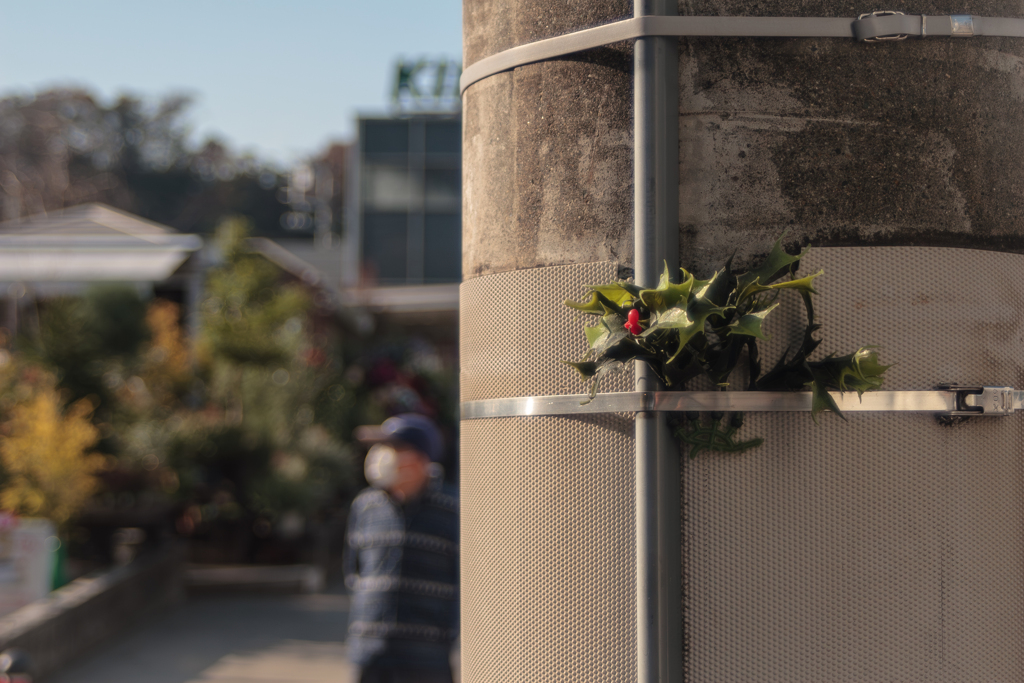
(69, 265)
(91, 243)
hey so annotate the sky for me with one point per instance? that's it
(278, 78)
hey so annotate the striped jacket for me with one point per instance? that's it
(401, 564)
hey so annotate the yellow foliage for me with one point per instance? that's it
(167, 339)
(48, 458)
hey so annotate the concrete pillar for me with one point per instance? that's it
(548, 148)
(883, 548)
(846, 143)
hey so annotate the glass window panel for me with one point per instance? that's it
(442, 260)
(385, 137)
(444, 137)
(443, 190)
(388, 188)
(384, 247)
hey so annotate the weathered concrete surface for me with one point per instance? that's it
(919, 142)
(842, 143)
(548, 148)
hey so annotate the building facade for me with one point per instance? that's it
(404, 203)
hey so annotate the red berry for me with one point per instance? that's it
(633, 322)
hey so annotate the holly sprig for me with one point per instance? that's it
(692, 327)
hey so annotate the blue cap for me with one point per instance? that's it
(418, 431)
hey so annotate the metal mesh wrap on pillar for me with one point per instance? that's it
(888, 547)
(547, 502)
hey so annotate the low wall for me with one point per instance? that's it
(76, 618)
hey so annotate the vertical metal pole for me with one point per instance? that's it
(656, 241)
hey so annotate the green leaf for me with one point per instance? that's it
(802, 285)
(822, 400)
(717, 289)
(587, 369)
(614, 332)
(750, 324)
(599, 304)
(701, 289)
(667, 294)
(595, 372)
(593, 306)
(862, 372)
(777, 263)
(809, 307)
(616, 292)
(867, 362)
(595, 333)
(687, 323)
(751, 289)
(673, 318)
(721, 360)
(697, 310)
(859, 371)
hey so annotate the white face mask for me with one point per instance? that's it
(381, 466)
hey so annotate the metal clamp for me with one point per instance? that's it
(884, 13)
(972, 401)
(961, 25)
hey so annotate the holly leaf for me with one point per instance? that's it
(592, 307)
(595, 372)
(696, 312)
(802, 285)
(702, 288)
(721, 361)
(616, 292)
(822, 400)
(717, 289)
(667, 295)
(750, 324)
(774, 266)
(599, 304)
(867, 362)
(685, 323)
(614, 331)
(703, 326)
(595, 333)
(587, 369)
(673, 318)
(860, 371)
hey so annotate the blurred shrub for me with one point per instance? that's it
(48, 458)
(82, 339)
(247, 313)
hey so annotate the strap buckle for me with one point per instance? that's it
(880, 39)
(961, 25)
(978, 400)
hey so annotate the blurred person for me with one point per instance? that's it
(401, 559)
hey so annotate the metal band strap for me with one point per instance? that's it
(875, 26)
(963, 401)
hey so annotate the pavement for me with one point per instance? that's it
(239, 638)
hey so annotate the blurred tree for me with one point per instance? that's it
(116, 315)
(60, 148)
(48, 459)
(249, 317)
(83, 339)
(167, 364)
